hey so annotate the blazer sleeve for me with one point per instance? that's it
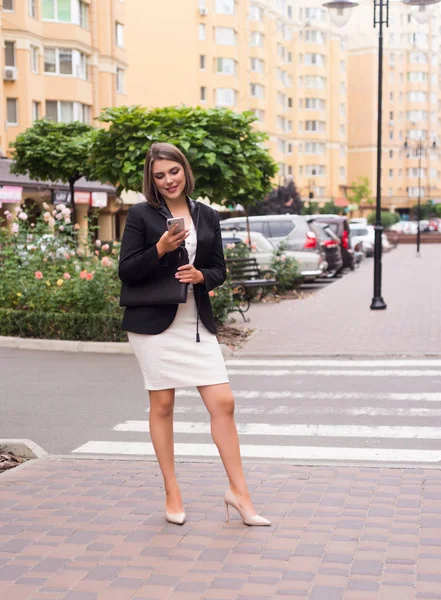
(216, 273)
(136, 261)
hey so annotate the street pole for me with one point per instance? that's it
(381, 17)
(420, 151)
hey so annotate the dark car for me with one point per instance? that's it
(330, 249)
(339, 226)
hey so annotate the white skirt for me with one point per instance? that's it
(174, 359)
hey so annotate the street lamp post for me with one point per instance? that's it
(340, 12)
(421, 150)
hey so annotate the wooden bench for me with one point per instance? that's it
(247, 276)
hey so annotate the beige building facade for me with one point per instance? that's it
(64, 60)
(411, 109)
(280, 59)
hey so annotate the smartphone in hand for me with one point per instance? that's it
(176, 220)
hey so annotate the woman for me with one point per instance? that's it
(175, 344)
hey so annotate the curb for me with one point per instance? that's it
(24, 448)
(77, 346)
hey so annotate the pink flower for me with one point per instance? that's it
(105, 247)
(105, 261)
(15, 227)
(67, 255)
(283, 258)
(66, 276)
(211, 293)
(83, 274)
(98, 243)
(9, 217)
(97, 252)
(89, 276)
(38, 275)
(61, 228)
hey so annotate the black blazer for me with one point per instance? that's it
(139, 260)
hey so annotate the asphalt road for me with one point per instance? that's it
(315, 410)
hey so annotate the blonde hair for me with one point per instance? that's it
(164, 151)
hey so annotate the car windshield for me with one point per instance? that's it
(359, 231)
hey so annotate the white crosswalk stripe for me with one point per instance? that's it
(322, 424)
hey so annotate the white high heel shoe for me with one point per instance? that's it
(175, 518)
(231, 500)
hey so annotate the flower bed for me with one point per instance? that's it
(56, 284)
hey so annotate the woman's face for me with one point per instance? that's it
(169, 178)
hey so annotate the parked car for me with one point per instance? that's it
(292, 230)
(367, 236)
(340, 226)
(329, 245)
(311, 264)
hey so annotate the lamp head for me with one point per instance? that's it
(340, 11)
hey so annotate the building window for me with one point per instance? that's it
(65, 11)
(315, 36)
(313, 81)
(289, 102)
(34, 59)
(202, 31)
(120, 81)
(313, 58)
(315, 126)
(84, 15)
(256, 13)
(119, 35)
(202, 62)
(225, 36)
(32, 8)
(64, 61)
(260, 114)
(66, 112)
(342, 172)
(12, 111)
(315, 148)
(225, 7)
(256, 39)
(203, 94)
(315, 170)
(226, 66)
(257, 65)
(36, 110)
(9, 54)
(8, 5)
(315, 103)
(257, 90)
(225, 97)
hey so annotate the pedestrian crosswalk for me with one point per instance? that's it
(297, 409)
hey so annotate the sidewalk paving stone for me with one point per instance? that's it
(338, 321)
(318, 549)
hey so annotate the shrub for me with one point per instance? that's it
(387, 218)
(287, 270)
(62, 326)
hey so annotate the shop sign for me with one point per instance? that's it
(99, 199)
(11, 193)
(82, 197)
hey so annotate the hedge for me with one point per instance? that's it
(61, 326)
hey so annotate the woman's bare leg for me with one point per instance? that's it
(220, 404)
(161, 431)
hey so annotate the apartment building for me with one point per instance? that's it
(278, 58)
(411, 105)
(61, 59)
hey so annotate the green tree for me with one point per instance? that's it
(387, 218)
(226, 152)
(284, 199)
(330, 208)
(360, 192)
(50, 151)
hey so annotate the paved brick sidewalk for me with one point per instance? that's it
(338, 321)
(94, 530)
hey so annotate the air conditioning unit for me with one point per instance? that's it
(203, 11)
(10, 73)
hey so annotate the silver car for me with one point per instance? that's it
(311, 264)
(292, 230)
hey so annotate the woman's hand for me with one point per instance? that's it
(188, 274)
(171, 240)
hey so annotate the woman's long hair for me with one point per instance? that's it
(164, 151)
